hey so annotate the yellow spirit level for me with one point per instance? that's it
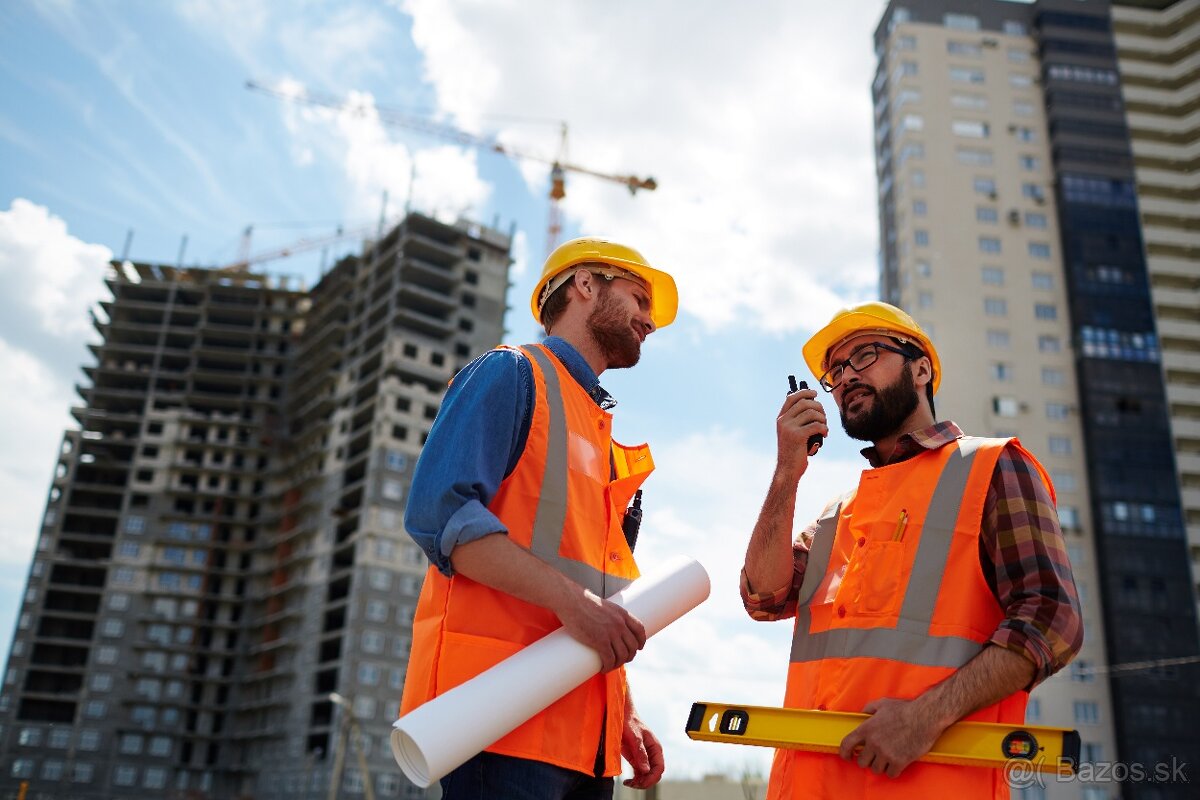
(976, 744)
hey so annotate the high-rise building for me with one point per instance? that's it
(1009, 227)
(220, 601)
(1158, 50)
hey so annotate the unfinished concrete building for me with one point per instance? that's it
(220, 599)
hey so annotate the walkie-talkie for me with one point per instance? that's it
(814, 441)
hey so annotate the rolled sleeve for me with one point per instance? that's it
(474, 443)
(771, 605)
(1022, 545)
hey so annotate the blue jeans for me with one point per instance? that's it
(489, 776)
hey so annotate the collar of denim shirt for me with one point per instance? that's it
(580, 370)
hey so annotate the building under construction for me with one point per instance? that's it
(220, 601)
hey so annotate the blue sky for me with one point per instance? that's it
(756, 123)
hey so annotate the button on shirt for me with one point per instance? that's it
(1021, 552)
(474, 444)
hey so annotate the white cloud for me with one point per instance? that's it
(757, 126)
(50, 277)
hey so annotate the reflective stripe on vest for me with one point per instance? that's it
(910, 641)
(551, 515)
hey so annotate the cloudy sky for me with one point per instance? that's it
(755, 120)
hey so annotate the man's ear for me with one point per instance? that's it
(924, 371)
(584, 283)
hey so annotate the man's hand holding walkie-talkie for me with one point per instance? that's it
(800, 429)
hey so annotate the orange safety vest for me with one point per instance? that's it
(565, 501)
(889, 609)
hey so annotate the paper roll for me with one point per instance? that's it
(431, 740)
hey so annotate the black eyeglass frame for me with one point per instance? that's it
(873, 347)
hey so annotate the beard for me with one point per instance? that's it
(892, 406)
(613, 332)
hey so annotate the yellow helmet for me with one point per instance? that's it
(664, 297)
(865, 318)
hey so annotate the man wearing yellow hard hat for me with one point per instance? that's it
(520, 501)
(936, 590)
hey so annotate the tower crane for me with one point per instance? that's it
(559, 166)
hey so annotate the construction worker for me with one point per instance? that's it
(518, 500)
(937, 590)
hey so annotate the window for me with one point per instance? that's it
(59, 738)
(1049, 344)
(965, 75)
(974, 102)
(921, 238)
(1051, 376)
(101, 682)
(29, 737)
(135, 524)
(125, 776)
(995, 306)
(1034, 219)
(112, 628)
(917, 179)
(1001, 371)
(89, 740)
(985, 186)
(1023, 108)
(973, 157)
(83, 773)
(118, 601)
(1057, 410)
(961, 22)
(1043, 280)
(368, 674)
(1018, 55)
(1033, 191)
(128, 550)
(52, 770)
(1060, 445)
(123, 576)
(989, 244)
(971, 129)
(1014, 28)
(396, 679)
(1064, 480)
(372, 642)
(924, 269)
(160, 746)
(1045, 311)
(1081, 672)
(985, 214)
(925, 299)
(1026, 135)
(1039, 250)
(395, 461)
(130, 743)
(906, 96)
(1086, 713)
(1019, 80)
(912, 122)
(996, 338)
(910, 150)
(993, 276)
(22, 768)
(392, 490)
(965, 49)
(1006, 406)
(380, 579)
(919, 208)
(1030, 163)
(155, 778)
(364, 707)
(377, 611)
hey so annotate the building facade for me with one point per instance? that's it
(220, 601)
(1158, 51)
(1010, 229)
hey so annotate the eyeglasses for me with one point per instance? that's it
(859, 360)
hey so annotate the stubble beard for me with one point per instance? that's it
(892, 405)
(613, 332)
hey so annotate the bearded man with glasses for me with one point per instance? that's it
(936, 590)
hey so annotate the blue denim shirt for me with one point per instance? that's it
(474, 444)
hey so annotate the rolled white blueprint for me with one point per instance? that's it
(432, 740)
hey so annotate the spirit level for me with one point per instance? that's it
(976, 744)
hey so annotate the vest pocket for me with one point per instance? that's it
(464, 656)
(882, 564)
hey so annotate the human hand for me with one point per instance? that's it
(642, 750)
(897, 733)
(614, 633)
(800, 418)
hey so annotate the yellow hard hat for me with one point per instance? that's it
(664, 297)
(865, 318)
